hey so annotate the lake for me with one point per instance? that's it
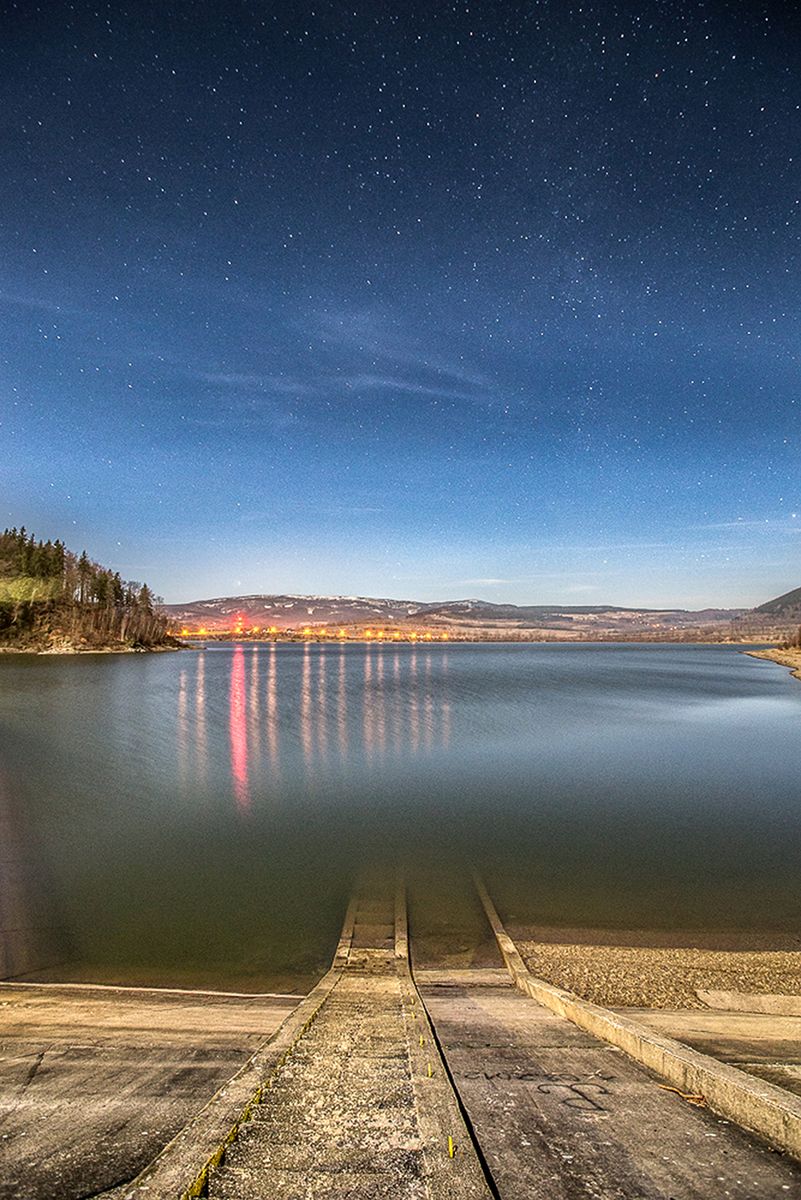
(196, 818)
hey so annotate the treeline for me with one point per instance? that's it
(52, 596)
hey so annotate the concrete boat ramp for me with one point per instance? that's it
(444, 1084)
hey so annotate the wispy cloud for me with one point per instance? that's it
(482, 582)
(378, 338)
(252, 381)
(790, 524)
(244, 381)
(366, 382)
(38, 304)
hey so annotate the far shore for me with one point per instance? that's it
(789, 658)
(67, 651)
(450, 637)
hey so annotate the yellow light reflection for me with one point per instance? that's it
(305, 707)
(342, 708)
(200, 717)
(254, 707)
(322, 715)
(183, 730)
(272, 710)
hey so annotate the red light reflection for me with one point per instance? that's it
(238, 730)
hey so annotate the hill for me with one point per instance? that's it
(52, 599)
(787, 606)
(467, 618)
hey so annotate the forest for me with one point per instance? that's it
(52, 598)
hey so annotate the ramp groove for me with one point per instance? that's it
(361, 1106)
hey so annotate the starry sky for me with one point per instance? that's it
(405, 299)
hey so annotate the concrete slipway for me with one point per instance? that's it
(447, 1084)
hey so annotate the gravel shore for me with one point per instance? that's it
(786, 658)
(659, 976)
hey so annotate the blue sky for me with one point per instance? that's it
(493, 300)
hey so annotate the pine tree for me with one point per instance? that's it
(84, 572)
(145, 598)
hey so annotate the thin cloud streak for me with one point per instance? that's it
(387, 383)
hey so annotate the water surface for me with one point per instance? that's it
(197, 817)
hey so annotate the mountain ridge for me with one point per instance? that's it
(299, 611)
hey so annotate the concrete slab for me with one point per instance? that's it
(781, 1074)
(360, 1106)
(94, 1082)
(560, 1115)
(729, 1036)
(472, 976)
(771, 1112)
(778, 1005)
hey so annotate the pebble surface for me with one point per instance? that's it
(660, 977)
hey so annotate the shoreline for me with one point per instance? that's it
(645, 971)
(67, 651)
(454, 639)
(789, 657)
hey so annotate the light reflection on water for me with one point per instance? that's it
(202, 813)
(372, 705)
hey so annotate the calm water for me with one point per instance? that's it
(198, 816)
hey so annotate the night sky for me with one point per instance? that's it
(404, 299)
